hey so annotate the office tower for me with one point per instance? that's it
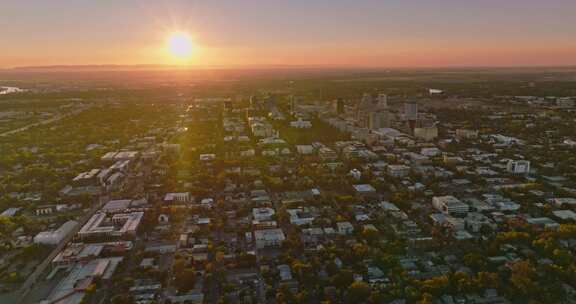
(363, 110)
(292, 103)
(382, 101)
(379, 119)
(411, 110)
(366, 103)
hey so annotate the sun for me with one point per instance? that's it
(180, 45)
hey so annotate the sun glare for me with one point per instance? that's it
(180, 45)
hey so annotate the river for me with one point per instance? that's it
(10, 90)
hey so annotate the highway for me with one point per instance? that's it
(44, 122)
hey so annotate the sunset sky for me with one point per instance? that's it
(379, 33)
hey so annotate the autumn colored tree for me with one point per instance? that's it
(358, 292)
(523, 277)
(185, 280)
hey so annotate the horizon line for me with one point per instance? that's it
(143, 66)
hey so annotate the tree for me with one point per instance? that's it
(522, 277)
(301, 297)
(426, 299)
(464, 283)
(343, 279)
(567, 230)
(487, 280)
(544, 245)
(475, 261)
(358, 292)
(179, 265)
(359, 251)
(562, 257)
(7, 226)
(185, 280)
(370, 235)
(304, 273)
(412, 293)
(122, 299)
(437, 285)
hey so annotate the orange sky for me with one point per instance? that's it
(338, 32)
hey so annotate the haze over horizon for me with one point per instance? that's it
(446, 33)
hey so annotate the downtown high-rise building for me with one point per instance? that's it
(380, 119)
(411, 110)
(254, 102)
(292, 103)
(338, 106)
(382, 101)
(363, 110)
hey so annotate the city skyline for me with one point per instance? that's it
(326, 33)
(287, 152)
